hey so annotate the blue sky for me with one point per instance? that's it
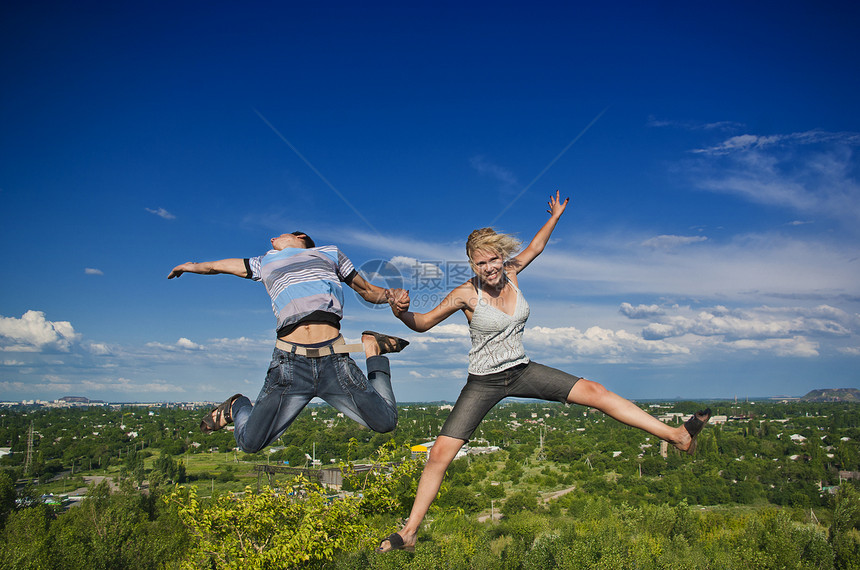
(710, 249)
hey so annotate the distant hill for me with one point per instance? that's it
(833, 395)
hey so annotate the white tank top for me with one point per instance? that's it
(497, 338)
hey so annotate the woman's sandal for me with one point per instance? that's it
(387, 343)
(694, 425)
(220, 417)
(396, 543)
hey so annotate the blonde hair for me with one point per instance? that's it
(487, 239)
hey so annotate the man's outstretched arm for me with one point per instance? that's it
(373, 294)
(234, 266)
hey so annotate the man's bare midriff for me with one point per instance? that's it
(312, 333)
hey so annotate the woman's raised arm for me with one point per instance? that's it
(535, 247)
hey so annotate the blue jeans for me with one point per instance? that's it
(293, 380)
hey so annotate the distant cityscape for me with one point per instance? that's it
(81, 401)
(820, 395)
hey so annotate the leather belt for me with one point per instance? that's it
(337, 346)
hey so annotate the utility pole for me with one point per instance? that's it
(28, 462)
(541, 455)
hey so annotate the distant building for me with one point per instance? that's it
(422, 451)
(482, 450)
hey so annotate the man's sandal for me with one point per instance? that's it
(387, 343)
(694, 425)
(220, 417)
(395, 541)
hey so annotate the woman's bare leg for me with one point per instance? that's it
(442, 454)
(594, 395)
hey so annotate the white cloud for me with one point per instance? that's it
(450, 339)
(411, 268)
(598, 342)
(400, 246)
(736, 143)
(241, 343)
(811, 172)
(668, 242)
(762, 328)
(127, 386)
(161, 213)
(451, 331)
(99, 349)
(33, 333)
(8, 387)
(786, 347)
(749, 266)
(93, 271)
(694, 126)
(640, 311)
(746, 142)
(682, 333)
(713, 323)
(428, 375)
(503, 175)
(186, 344)
(182, 345)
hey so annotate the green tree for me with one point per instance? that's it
(518, 502)
(298, 525)
(494, 491)
(269, 529)
(133, 466)
(171, 469)
(116, 530)
(844, 534)
(7, 497)
(26, 543)
(460, 497)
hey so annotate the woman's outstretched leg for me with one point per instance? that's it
(442, 454)
(594, 395)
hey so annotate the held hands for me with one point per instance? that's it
(398, 299)
(556, 206)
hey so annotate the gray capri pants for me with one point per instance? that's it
(481, 393)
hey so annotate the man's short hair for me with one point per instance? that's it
(309, 243)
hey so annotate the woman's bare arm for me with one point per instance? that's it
(456, 300)
(538, 243)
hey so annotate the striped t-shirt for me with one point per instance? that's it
(304, 284)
